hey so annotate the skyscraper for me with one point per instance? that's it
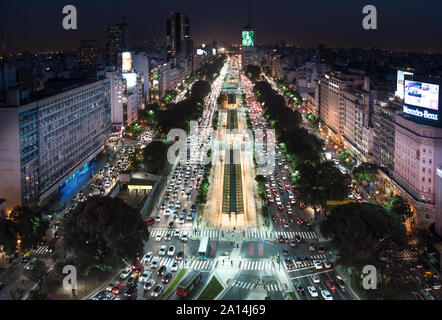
(87, 53)
(117, 41)
(177, 29)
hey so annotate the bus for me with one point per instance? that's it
(203, 250)
(190, 281)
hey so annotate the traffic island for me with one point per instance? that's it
(212, 290)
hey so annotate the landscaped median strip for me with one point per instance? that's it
(212, 290)
(293, 295)
(174, 283)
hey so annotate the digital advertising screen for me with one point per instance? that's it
(421, 94)
(131, 79)
(401, 75)
(126, 64)
(248, 38)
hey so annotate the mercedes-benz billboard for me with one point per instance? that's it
(421, 100)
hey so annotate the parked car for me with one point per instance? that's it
(125, 273)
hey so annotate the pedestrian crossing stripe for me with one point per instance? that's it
(250, 285)
(304, 264)
(194, 264)
(45, 250)
(272, 287)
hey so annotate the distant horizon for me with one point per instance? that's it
(338, 24)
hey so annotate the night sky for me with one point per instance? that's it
(412, 25)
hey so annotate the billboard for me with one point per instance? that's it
(401, 75)
(248, 38)
(131, 79)
(126, 64)
(422, 95)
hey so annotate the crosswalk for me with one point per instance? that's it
(193, 265)
(408, 254)
(249, 234)
(306, 264)
(250, 285)
(41, 250)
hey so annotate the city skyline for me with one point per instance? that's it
(300, 24)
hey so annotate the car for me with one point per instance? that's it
(285, 252)
(330, 285)
(326, 263)
(427, 295)
(179, 256)
(99, 295)
(148, 285)
(158, 237)
(299, 288)
(111, 286)
(171, 251)
(168, 236)
(184, 237)
(133, 278)
(162, 270)
(118, 288)
(147, 258)
(155, 262)
(326, 295)
(317, 264)
(31, 263)
(171, 225)
(177, 233)
(157, 291)
(298, 238)
(315, 278)
(167, 277)
(125, 273)
(162, 251)
(108, 296)
(312, 291)
(145, 275)
(289, 263)
(158, 218)
(340, 283)
(182, 218)
(131, 290)
(174, 266)
(292, 243)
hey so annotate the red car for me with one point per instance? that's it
(119, 288)
(293, 201)
(280, 207)
(299, 221)
(289, 210)
(331, 285)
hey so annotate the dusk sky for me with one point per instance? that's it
(402, 24)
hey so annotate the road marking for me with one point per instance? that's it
(308, 275)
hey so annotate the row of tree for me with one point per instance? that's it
(252, 72)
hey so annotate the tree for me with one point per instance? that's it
(38, 273)
(322, 182)
(29, 226)
(400, 207)
(8, 236)
(367, 234)
(104, 230)
(365, 172)
(200, 89)
(155, 155)
(252, 72)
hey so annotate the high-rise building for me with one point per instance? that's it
(51, 137)
(87, 54)
(117, 42)
(177, 29)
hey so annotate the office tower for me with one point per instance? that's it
(117, 41)
(51, 138)
(87, 53)
(177, 29)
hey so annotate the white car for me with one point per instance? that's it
(184, 237)
(149, 284)
(162, 250)
(315, 278)
(158, 237)
(171, 251)
(318, 264)
(147, 258)
(155, 262)
(174, 266)
(157, 291)
(145, 276)
(167, 212)
(177, 233)
(312, 291)
(326, 295)
(125, 273)
(326, 263)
